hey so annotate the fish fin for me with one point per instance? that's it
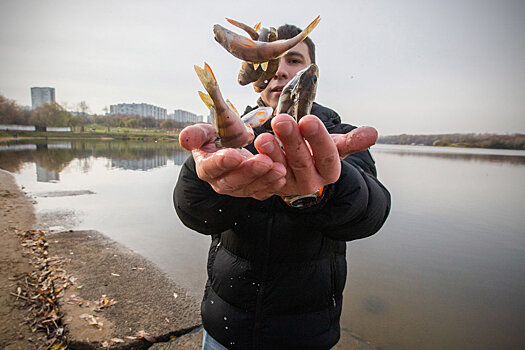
(232, 107)
(257, 26)
(255, 66)
(206, 99)
(246, 42)
(264, 66)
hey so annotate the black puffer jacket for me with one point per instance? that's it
(276, 274)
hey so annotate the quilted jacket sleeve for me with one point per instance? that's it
(202, 209)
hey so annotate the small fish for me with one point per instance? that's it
(257, 51)
(273, 65)
(298, 95)
(250, 72)
(232, 131)
(258, 116)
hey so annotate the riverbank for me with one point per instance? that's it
(114, 297)
(118, 135)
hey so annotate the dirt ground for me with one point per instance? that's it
(16, 211)
(114, 298)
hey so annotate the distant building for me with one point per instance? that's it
(140, 109)
(41, 95)
(180, 115)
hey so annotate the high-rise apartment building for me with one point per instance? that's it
(140, 109)
(180, 115)
(41, 95)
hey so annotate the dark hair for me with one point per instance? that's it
(287, 31)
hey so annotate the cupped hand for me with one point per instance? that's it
(310, 154)
(231, 171)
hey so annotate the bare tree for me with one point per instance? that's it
(83, 108)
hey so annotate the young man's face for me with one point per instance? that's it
(298, 58)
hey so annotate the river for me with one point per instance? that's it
(445, 272)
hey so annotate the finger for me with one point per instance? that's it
(212, 165)
(267, 144)
(356, 140)
(269, 183)
(249, 171)
(298, 154)
(270, 191)
(324, 150)
(196, 136)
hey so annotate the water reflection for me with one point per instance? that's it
(52, 157)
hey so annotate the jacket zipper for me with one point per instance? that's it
(258, 312)
(331, 307)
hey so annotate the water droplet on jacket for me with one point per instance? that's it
(232, 343)
(226, 327)
(231, 286)
(234, 224)
(211, 301)
(225, 318)
(205, 221)
(220, 210)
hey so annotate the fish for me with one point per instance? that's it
(256, 51)
(261, 74)
(233, 131)
(258, 116)
(299, 93)
(262, 82)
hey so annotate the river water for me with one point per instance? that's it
(445, 272)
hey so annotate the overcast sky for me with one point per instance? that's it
(401, 66)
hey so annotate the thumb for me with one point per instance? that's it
(196, 136)
(356, 140)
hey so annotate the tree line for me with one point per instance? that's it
(472, 140)
(53, 114)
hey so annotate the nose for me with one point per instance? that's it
(282, 72)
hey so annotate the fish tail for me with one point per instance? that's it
(206, 76)
(311, 27)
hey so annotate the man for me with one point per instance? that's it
(277, 262)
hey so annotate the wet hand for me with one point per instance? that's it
(310, 154)
(234, 172)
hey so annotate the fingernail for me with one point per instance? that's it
(285, 128)
(310, 129)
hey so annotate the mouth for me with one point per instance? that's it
(277, 89)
